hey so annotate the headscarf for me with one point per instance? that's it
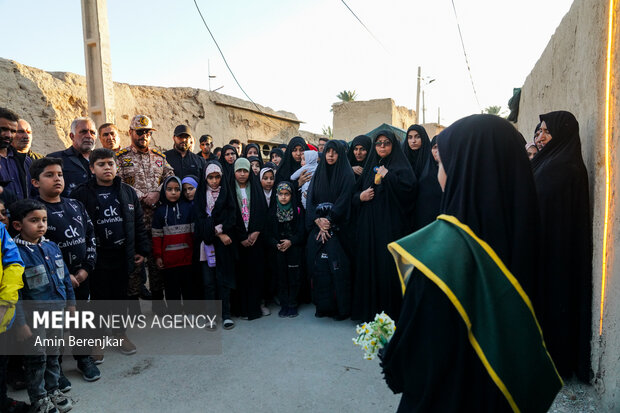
(490, 188)
(288, 165)
(365, 142)
(429, 194)
(212, 194)
(243, 163)
(311, 157)
(284, 213)
(190, 179)
(419, 158)
(277, 151)
(260, 177)
(166, 202)
(247, 148)
(227, 169)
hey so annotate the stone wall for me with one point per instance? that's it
(50, 101)
(359, 117)
(571, 75)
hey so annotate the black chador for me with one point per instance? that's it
(381, 220)
(329, 197)
(429, 194)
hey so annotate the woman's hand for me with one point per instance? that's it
(382, 171)
(367, 195)
(253, 237)
(284, 245)
(357, 170)
(304, 177)
(323, 236)
(323, 224)
(225, 239)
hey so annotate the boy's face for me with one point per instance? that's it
(242, 175)
(104, 169)
(284, 197)
(213, 180)
(51, 182)
(173, 191)
(189, 191)
(33, 226)
(267, 181)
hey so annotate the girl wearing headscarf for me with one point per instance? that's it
(256, 163)
(267, 178)
(357, 154)
(565, 290)
(429, 192)
(227, 160)
(173, 243)
(285, 235)
(467, 339)
(384, 197)
(251, 149)
(251, 213)
(531, 150)
(417, 148)
(276, 156)
(327, 213)
(214, 207)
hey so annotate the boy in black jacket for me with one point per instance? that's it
(119, 231)
(69, 226)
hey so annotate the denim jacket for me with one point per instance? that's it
(46, 277)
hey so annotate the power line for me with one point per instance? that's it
(230, 70)
(362, 23)
(471, 78)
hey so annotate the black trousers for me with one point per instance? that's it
(214, 289)
(289, 275)
(249, 282)
(178, 283)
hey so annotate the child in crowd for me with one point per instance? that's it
(270, 286)
(47, 286)
(190, 183)
(215, 223)
(267, 177)
(256, 164)
(251, 214)
(276, 156)
(285, 234)
(69, 226)
(173, 243)
(4, 214)
(10, 282)
(121, 238)
(309, 162)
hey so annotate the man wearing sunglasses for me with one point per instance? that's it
(75, 166)
(145, 169)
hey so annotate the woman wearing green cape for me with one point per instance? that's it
(467, 339)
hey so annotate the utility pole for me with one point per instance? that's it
(99, 84)
(423, 108)
(438, 116)
(417, 98)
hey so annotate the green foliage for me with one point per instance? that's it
(347, 95)
(327, 131)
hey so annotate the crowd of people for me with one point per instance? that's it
(310, 224)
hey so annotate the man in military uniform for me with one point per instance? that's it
(145, 169)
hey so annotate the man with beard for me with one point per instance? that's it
(144, 169)
(75, 166)
(23, 140)
(13, 165)
(180, 157)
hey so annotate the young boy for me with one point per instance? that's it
(47, 286)
(119, 232)
(10, 282)
(69, 226)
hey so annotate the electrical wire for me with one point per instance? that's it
(231, 72)
(367, 29)
(471, 78)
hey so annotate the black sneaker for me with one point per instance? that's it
(87, 367)
(292, 312)
(283, 313)
(64, 385)
(145, 294)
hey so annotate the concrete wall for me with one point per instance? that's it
(50, 101)
(359, 117)
(571, 75)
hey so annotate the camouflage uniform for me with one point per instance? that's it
(145, 172)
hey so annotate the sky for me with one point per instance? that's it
(298, 55)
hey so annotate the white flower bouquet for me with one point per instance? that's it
(373, 336)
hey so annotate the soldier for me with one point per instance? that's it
(145, 169)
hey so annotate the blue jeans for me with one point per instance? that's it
(41, 366)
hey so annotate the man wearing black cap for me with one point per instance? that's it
(206, 143)
(182, 160)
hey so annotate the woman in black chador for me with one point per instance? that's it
(292, 162)
(228, 156)
(431, 360)
(565, 289)
(358, 153)
(417, 149)
(384, 197)
(328, 205)
(429, 192)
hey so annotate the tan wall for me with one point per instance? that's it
(50, 101)
(359, 117)
(570, 75)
